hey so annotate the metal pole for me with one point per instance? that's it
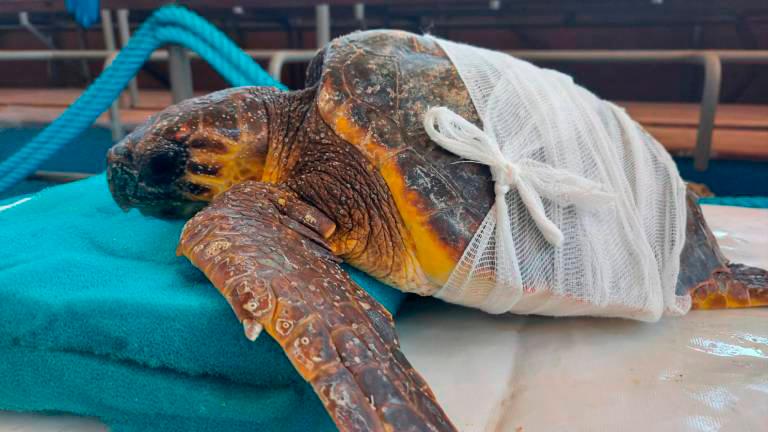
(275, 66)
(359, 11)
(47, 41)
(277, 59)
(108, 30)
(25, 55)
(115, 125)
(181, 73)
(710, 96)
(109, 44)
(27, 24)
(323, 24)
(124, 30)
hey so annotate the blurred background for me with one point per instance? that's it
(694, 72)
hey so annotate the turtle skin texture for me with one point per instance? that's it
(374, 90)
(292, 183)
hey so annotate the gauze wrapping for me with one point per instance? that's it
(589, 217)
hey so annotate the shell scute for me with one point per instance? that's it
(373, 79)
(374, 90)
(420, 174)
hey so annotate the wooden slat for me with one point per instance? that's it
(741, 130)
(726, 143)
(647, 113)
(148, 99)
(42, 106)
(680, 114)
(16, 115)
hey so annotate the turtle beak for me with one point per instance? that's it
(121, 178)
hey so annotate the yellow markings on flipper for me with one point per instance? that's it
(719, 300)
(724, 291)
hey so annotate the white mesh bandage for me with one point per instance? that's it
(589, 217)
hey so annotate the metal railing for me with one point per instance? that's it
(710, 61)
(277, 60)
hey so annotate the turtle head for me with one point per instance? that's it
(184, 156)
(146, 171)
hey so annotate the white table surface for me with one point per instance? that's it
(707, 371)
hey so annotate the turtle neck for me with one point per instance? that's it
(288, 114)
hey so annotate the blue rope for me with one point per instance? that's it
(170, 25)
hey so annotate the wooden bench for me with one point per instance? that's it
(42, 106)
(741, 131)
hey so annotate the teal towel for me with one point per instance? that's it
(738, 201)
(99, 317)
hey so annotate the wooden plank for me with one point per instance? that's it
(681, 114)
(647, 113)
(741, 130)
(36, 97)
(726, 143)
(15, 115)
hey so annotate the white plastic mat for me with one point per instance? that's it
(706, 371)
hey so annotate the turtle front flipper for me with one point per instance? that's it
(265, 251)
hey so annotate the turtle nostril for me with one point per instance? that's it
(111, 156)
(119, 153)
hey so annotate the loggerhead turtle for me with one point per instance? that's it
(292, 183)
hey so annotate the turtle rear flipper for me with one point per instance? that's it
(734, 286)
(711, 279)
(265, 251)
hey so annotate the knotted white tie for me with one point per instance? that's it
(532, 178)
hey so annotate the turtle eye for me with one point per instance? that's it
(162, 167)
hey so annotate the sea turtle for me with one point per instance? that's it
(292, 183)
